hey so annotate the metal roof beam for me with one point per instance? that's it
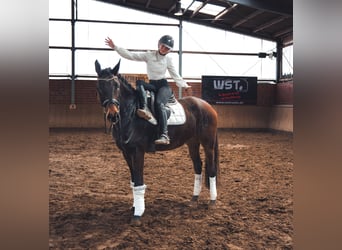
(282, 32)
(269, 24)
(224, 12)
(254, 14)
(283, 7)
(172, 8)
(148, 4)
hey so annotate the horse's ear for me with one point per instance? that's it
(115, 70)
(97, 67)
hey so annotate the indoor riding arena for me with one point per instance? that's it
(90, 198)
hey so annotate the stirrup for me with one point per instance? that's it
(144, 113)
(164, 139)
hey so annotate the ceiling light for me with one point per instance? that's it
(179, 13)
(178, 9)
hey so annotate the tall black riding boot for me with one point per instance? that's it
(143, 111)
(164, 138)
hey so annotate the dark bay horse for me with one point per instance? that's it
(135, 136)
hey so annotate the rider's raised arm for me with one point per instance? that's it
(174, 74)
(129, 55)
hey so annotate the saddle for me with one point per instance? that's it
(175, 111)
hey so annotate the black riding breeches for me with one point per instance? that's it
(147, 86)
(163, 93)
(160, 87)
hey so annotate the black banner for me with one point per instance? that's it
(229, 89)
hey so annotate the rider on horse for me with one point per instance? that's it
(157, 63)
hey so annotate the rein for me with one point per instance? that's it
(116, 106)
(108, 102)
(108, 79)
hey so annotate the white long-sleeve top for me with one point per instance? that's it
(156, 65)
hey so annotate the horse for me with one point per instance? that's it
(135, 136)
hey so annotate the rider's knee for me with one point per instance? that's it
(140, 85)
(160, 105)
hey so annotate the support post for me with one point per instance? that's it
(180, 53)
(279, 69)
(73, 21)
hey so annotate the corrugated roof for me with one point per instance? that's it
(268, 19)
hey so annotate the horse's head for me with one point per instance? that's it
(108, 88)
(115, 92)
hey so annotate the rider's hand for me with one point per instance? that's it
(188, 90)
(109, 42)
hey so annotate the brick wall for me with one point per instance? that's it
(273, 109)
(85, 91)
(60, 92)
(266, 94)
(196, 89)
(284, 93)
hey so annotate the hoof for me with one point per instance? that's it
(194, 198)
(193, 202)
(136, 221)
(212, 204)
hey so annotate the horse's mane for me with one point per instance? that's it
(128, 86)
(128, 104)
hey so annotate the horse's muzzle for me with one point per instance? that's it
(112, 110)
(111, 105)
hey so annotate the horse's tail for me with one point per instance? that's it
(216, 164)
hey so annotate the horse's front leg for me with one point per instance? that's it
(197, 165)
(139, 186)
(129, 160)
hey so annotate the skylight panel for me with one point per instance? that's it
(211, 9)
(194, 6)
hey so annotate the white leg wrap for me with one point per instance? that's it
(132, 186)
(212, 185)
(197, 184)
(139, 200)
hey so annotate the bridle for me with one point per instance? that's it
(112, 106)
(112, 110)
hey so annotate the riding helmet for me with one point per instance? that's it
(167, 41)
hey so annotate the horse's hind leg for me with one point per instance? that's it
(211, 174)
(197, 165)
(211, 167)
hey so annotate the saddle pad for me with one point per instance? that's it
(177, 116)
